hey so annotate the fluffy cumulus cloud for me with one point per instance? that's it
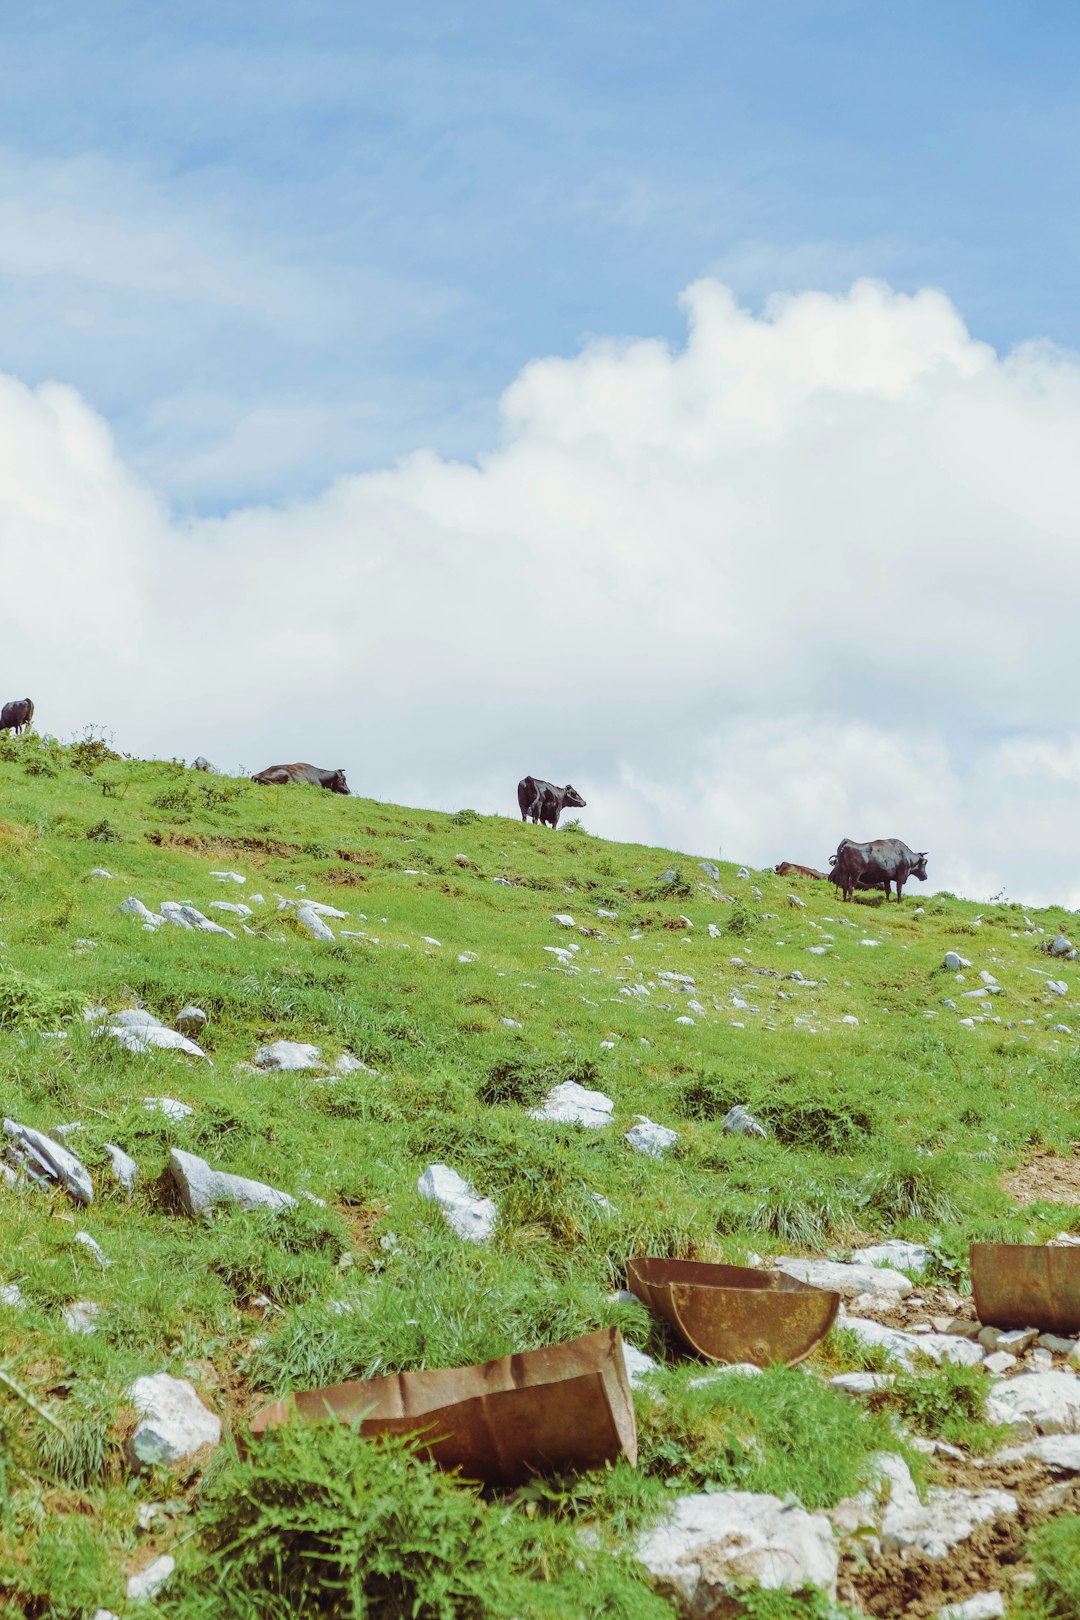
(810, 575)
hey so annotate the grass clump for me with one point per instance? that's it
(779, 1432)
(318, 1521)
(27, 1001)
(949, 1403)
(1054, 1552)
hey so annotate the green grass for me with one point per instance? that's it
(900, 1125)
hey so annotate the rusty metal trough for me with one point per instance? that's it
(735, 1313)
(566, 1406)
(1019, 1285)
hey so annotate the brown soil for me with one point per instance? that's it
(908, 1584)
(1051, 1178)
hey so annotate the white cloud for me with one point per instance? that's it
(810, 576)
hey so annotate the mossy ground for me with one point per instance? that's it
(898, 1126)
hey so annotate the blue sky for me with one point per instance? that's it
(276, 244)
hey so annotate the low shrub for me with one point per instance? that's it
(1054, 1553)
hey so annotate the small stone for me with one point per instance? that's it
(564, 919)
(182, 915)
(173, 1422)
(511, 1023)
(999, 1363)
(983, 1606)
(572, 1104)
(948, 1518)
(896, 1252)
(292, 1055)
(11, 1296)
(739, 1121)
(93, 1247)
(309, 919)
(846, 1280)
(849, 1018)
(711, 870)
(469, 1216)
(81, 1316)
(684, 1018)
(201, 1188)
(639, 1366)
(1039, 1402)
(228, 877)
(148, 1583)
(169, 1106)
(44, 1160)
(648, 1137)
(468, 956)
(862, 1383)
(742, 872)
(133, 907)
(191, 1021)
(954, 961)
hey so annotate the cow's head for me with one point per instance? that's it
(919, 869)
(338, 783)
(572, 798)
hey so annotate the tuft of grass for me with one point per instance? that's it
(27, 1001)
(948, 1402)
(1054, 1555)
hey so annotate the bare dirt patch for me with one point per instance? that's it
(912, 1585)
(1051, 1178)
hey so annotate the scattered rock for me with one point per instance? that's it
(92, 1246)
(862, 1383)
(233, 907)
(711, 870)
(173, 1422)
(145, 1037)
(347, 1064)
(309, 918)
(711, 1545)
(169, 1107)
(905, 1347)
(149, 1581)
(228, 877)
(1057, 987)
(639, 1366)
(1060, 946)
(742, 872)
(572, 1104)
(99, 872)
(648, 1137)
(1038, 1402)
(81, 1316)
(564, 919)
(894, 1252)
(999, 1362)
(11, 1296)
(295, 1055)
(191, 1021)
(739, 1121)
(849, 1018)
(468, 956)
(1059, 1452)
(846, 1280)
(469, 1216)
(200, 1187)
(511, 1023)
(38, 1157)
(185, 916)
(983, 1606)
(132, 907)
(954, 961)
(948, 1518)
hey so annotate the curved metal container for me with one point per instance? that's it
(1019, 1285)
(736, 1313)
(566, 1406)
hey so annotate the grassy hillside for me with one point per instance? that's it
(899, 1124)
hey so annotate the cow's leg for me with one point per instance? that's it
(899, 886)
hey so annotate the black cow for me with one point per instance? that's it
(17, 715)
(544, 802)
(876, 865)
(273, 774)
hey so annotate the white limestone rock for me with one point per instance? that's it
(905, 1347)
(148, 1037)
(468, 1215)
(228, 877)
(45, 1160)
(648, 1137)
(81, 1316)
(201, 1188)
(898, 1254)
(948, 1518)
(712, 1544)
(639, 1366)
(982, 1606)
(182, 915)
(149, 1581)
(739, 1121)
(191, 1021)
(862, 1383)
(309, 918)
(572, 1104)
(1038, 1402)
(173, 1422)
(169, 1106)
(954, 961)
(295, 1055)
(92, 1247)
(133, 907)
(1059, 1452)
(235, 908)
(846, 1280)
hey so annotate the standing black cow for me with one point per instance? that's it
(875, 865)
(544, 802)
(274, 774)
(17, 715)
